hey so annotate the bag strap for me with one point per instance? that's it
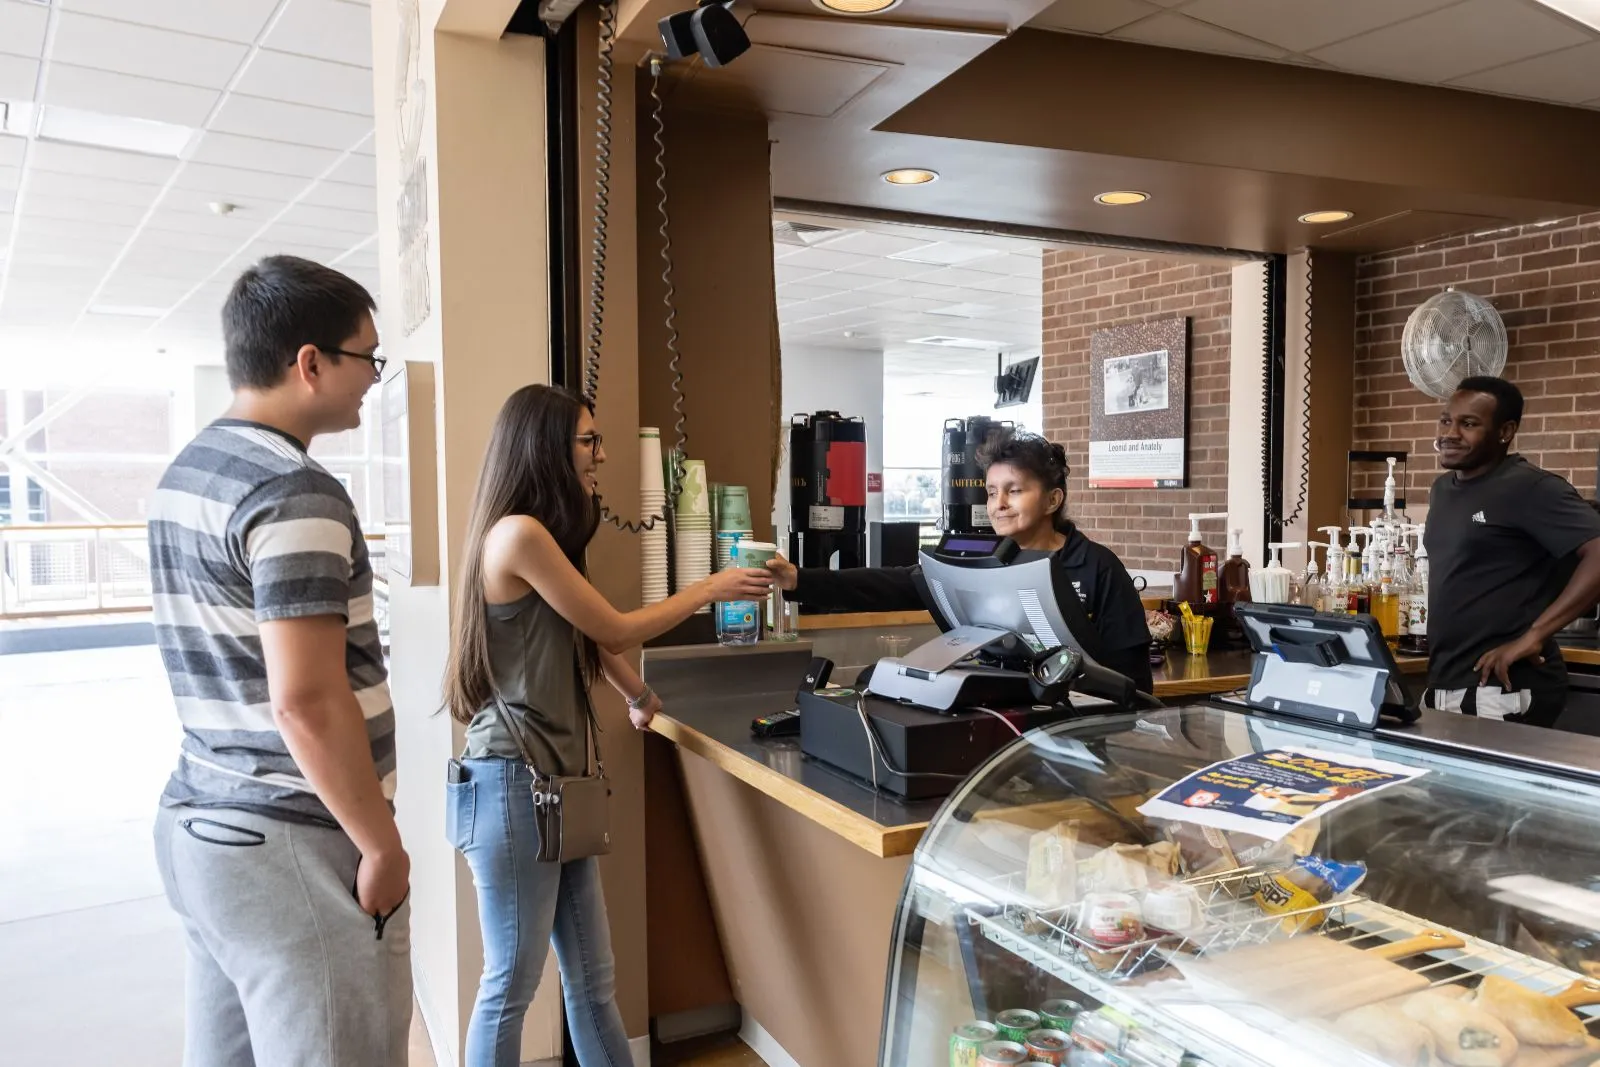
(591, 733)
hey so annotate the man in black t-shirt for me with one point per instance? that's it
(1514, 553)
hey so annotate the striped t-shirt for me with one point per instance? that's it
(247, 528)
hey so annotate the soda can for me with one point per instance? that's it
(1059, 1014)
(1016, 1024)
(1051, 1046)
(968, 1040)
(1002, 1054)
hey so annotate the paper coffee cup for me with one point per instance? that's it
(754, 553)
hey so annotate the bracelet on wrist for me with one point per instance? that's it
(635, 703)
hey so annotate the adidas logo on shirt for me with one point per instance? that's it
(1479, 519)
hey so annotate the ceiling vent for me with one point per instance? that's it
(939, 341)
(803, 234)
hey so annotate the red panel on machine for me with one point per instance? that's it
(847, 473)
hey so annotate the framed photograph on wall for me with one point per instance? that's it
(410, 474)
(1139, 405)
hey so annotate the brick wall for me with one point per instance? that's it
(1085, 292)
(1545, 282)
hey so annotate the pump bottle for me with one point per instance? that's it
(1234, 578)
(1196, 579)
(1313, 591)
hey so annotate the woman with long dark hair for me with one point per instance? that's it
(528, 636)
(1026, 477)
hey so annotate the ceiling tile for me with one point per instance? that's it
(189, 240)
(354, 222)
(17, 77)
(44, 206)
(303, 80)
(22, 28)
(10, 177)
(249, 153)
(108, 93)
(50, 231)
(273, 120)
(257, 208)
(11, 149)
(233, 226)
(1091, 16)
(239, 185)
(1571, 76)
(356, 170)
(129, 49)
(1460, 40)
(340, 195)
(231, 20)
(109, 190)
(324, 29)
(101, 162)
(1170, 30)
(311, 237)
(866, 243)
(1300, 27)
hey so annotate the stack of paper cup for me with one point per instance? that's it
(732, 507)
(692, 527)
(652, 502)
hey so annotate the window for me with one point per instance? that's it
(36, 504)
(911, 494)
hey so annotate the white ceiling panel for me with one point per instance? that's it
(22, 28)
(101, 162)
(43, 205)
(60, 230)
(360, 223)
(10, 178)
(17, 77)
(1571, 76)
(273, 120)
(311, 237)
(250, 153)
(1454, 42)
(1301, 27)
(356, 170)
(237, 184)
(340, 195)
(1171, 30)
(231, 20)
(324, 29)
(1092, 16)
(303, 80)
(109, 93)
(216, 225)
(218, 245)
(261, 209)
(108, 190)
(11, 150)
(131, 49)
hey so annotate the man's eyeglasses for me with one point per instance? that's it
(373, 358)
(593, 440)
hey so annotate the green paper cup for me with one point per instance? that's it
(754, 554)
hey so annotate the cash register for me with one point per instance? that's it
(1014, 644)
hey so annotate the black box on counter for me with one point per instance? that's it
(944, 746)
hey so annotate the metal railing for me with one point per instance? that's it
(53, 570)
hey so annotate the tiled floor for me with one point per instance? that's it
(91, 958)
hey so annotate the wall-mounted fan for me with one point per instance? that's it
(1452, 336)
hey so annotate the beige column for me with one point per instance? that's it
(461, 130)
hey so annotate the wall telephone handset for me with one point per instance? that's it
(597, 278)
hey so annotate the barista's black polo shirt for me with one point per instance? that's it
(1500, 550)
(1102, 583)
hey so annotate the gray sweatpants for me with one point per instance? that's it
(285, 970)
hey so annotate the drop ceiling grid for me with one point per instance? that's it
(1518, 48)
(284, 90)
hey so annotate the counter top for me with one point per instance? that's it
(718, 730)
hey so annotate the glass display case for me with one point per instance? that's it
(1450, 917)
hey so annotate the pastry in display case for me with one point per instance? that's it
(1205, 885)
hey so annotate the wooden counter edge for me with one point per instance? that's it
(1587, 656)
(882, 841)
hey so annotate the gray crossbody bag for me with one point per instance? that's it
(573, 813)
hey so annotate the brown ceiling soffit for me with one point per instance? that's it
(1084, 94)
(637, 19)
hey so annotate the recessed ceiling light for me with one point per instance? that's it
(113, 131)
(856, 7)
(910, 176)
(1319, 217)
(1121, 198)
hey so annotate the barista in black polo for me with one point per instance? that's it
(1514, 554)
(1026, 478)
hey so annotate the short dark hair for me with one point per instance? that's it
(1044, 459)
(280, 304)
(1507, 397)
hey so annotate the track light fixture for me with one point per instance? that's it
(710, 31)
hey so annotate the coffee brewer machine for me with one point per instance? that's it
(828, 490)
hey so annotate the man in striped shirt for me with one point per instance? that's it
(276, 836)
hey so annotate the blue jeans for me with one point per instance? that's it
(524, 907)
